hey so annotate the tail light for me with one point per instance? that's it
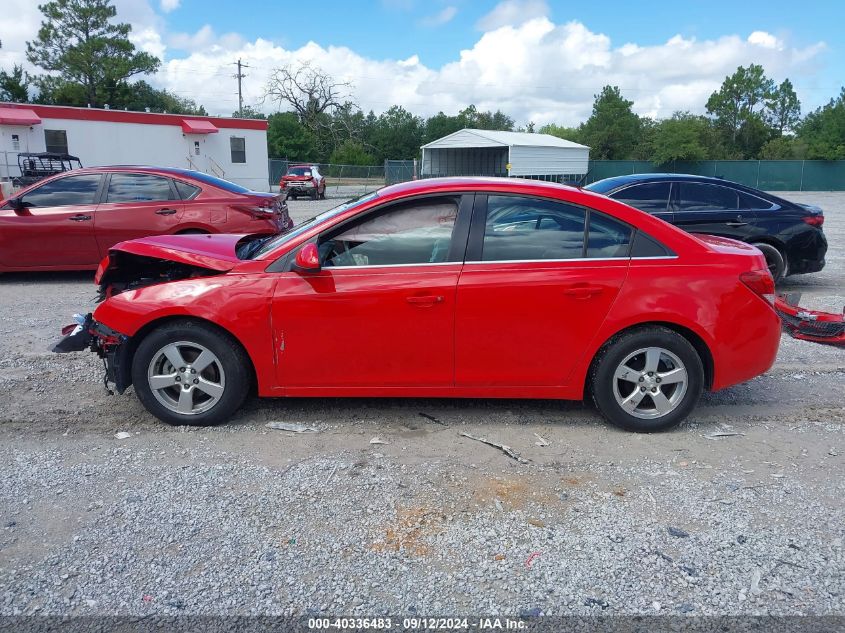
(760, 282)
(262, 210)
(814, 220)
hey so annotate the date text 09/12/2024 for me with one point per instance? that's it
(418, 624)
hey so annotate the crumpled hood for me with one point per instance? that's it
(214, 252)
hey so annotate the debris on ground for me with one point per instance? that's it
(507, 450)
(292, 427)
(756, 576)
(432, 418)
(716, 435)
(331, 474)
(377, 440)
(530, 560)
(122, 435)
(541, 441)
(677, 532)
(536, 523)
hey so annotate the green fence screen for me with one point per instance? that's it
(768, 175)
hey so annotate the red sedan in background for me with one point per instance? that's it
(69, 221)
(446, 288)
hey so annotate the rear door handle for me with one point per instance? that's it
(79, 217)
(424, 302)
(166, 211)
(736, 223)
(583, 292)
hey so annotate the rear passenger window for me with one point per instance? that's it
(698, 196)
(532, 229)
(607, 238)
(651, 197)
(747, 201)
(646, 246)
(186, 191)
(138, 188)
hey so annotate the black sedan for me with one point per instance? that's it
(789, 234)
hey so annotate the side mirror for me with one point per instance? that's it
(18, 206)
(308, 259)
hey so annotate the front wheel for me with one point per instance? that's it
(190, 373)
(647, 379)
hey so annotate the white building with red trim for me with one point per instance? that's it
(234, 149)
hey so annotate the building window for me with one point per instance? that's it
(16, 142)
(56, 141)
(238, 145)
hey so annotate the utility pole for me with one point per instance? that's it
(240, 76)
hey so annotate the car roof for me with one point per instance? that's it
(425, 185)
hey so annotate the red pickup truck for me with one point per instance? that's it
(303, 180)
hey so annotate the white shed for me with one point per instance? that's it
(470, 152)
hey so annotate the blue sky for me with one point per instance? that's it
(538, 60)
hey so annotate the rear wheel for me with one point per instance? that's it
(647, 380)
(190, 373)
(775, 261)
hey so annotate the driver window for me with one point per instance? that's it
(67, 191)
(416, 233)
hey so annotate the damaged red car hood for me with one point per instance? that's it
(214, 252)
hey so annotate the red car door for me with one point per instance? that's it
(56, 227)
(136, 205)
(380, 313)
(531, 295)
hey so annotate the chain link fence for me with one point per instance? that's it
(768, 175)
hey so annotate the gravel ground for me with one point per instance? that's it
(240, 519)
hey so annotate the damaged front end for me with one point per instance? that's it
(810, 325)
(111, 346)
(134, 265)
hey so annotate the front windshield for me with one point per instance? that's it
(298, 230)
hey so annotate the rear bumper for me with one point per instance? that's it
(806, 253)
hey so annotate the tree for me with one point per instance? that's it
(682, 137)
(351, 153)
(613, 130)
(14, 86)
(249, 112)
(309, 91)
(79, 41)
(739, 109)
(288, 138)
(566, 133)
(441, 125)
(784, 148)
(142, 96)
(784, 108)
(824, 130)
(397, 134)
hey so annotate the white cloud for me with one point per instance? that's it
(513, 13)
(441, 17)
(766, 40)
(532, 69)
(170, 5)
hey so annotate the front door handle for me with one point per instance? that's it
(79, 217)
(583, 292)
(736, 223)
(166, 211)
(426, 301)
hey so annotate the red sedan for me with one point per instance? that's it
(447, 288)
(70, 221)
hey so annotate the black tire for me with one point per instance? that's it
(605, 387)
(315, 194)
(233, 359)
(323, 195)
(774, 260)
(292, 196)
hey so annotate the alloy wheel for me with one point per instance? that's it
(186, 377)
(650, 382)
